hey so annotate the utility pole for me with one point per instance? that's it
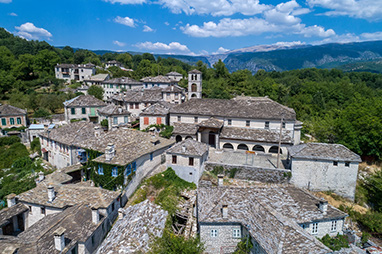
(281, 133)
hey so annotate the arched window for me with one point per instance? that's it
(193, 95)
(228, 146)
(194, 88)
(188, 137)
(258, 148)
(242, 147)
(274, 149)
(178, 138)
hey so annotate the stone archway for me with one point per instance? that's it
(193, 95)
(178, 139)
(228, 146)
(258, 148)
(188, 137)
(274, 149)
(194, 88)
(242, 147)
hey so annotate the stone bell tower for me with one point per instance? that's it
(194, 84)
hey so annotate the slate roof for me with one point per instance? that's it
(98, 77)
(161, 108)
(87, 66)
(248, 108)
(173, 89)
(212, 123)
(76, 222)
(133, 233)
(259, 135)
(69, 195)
(150, 95)
(158, 79)
(8, 110)
(57, 177)
(174, 73)
(122, 80)
(36, 127)
(112, 110)
(195, 71)
(6, 214)
(84, 101)
(323, 151)
(185, 128)
(113, 62)
(189, 147)
(271, 213)
(76, 132)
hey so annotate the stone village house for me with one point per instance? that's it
(115, 116)
(12, 116)
(76, 72)
(83, 107)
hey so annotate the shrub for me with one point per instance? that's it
(336, 242)
(170, 243)
(244, 246)
(105, 123)
(35, 145)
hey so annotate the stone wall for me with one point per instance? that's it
(265, 175)
(223, 241)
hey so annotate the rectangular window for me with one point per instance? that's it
(131, 105)
(114, 172)
(42, 210)
(347, 164)
(134, 166)
(237, 233)
(159, 120)
(111, 86)
(3, 121)
(73, 111)
(128, 170)
(151, 156)
(283, 125)
(30, 209)
(191, 161)
(93, 240)
(11, 121)
(100, 169)
(146, 121)
(266, 125)
(18, 120)
(334, 225)
(314, 228)
(214, 232)
(229, 121)
(248, 123)
(126, 119)
(115, 120)
(174, 159)
(196, 119)
(83, 111)
(136, 105)
(179, 118)
(335, 163)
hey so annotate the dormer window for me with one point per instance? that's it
(266, 125)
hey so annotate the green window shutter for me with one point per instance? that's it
(18, 120)
(73, 111)
(11, 120)
(3, 121)
(83, 111)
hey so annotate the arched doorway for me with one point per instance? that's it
(193, 95)
(228, 146)
(194, 88)
(178, 138)
(258, 148)
(242, 147)
(274, 149)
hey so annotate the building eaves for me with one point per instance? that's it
(189, 147)
(84, 101)
(185, 128)
(195, 71)
(258, 135)
(7, 213)
(111, 110)
(158, 109)
(8, 110)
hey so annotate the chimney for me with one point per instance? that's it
(97, 131)
(220, 179)
(183, 149)
(51, 194)
(172, 87)
(95, 215)
(110, 152)
(40, 176)
(11, 199)
(120, 213)
(323, 206)
(59, 239)
(225, 211)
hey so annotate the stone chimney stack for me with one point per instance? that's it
(323, 206)
(120, 213)
(11, 199)
(110, 152)
(95, 215)
(183, 149)
(225, 211)
(40, 176)
(59, 239)
(220, 179)
(97, 131)
(51, 194)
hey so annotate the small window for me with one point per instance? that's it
(112, 207)
(151, 156)
(190, 173)
(42, 210)
(11, 120)
(283, 125)
(18, 120)
(134, 165)
(335, 163)
(83, 111)
(93, 240)
(115, 120)
(131, 105)
(179, 118)
(334, 225)
(146, 121)
(191, 161)
(237, 233)
(314, 228)
(136, 105)
(196, 119)
(174, 159)
(266, 125)
(73, 111)
(126, 119)
(347, 164)
(111, 86)
(100, 169)
(229, 121)
(3, 121)
(114, 172)
(214, 232)
(128, 170)
(30, 209)
(248, 123)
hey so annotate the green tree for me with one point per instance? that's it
(96, 91)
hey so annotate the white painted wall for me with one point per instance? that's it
(324, 227)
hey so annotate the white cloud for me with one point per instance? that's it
(289, 43)
(126, 1)
(220, 50)
(31, 32)
(147, 29)
(166, 23)
(118, 43)
(5, 1)
(372, 36)
(342, 38)
(363, 9)
(173, 47)
(13, 14)
(125, 21)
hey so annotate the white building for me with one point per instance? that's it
(76, 72)
(83, 107)
(187, 159)
(157, 113)
(115, 115)
(175, 76)
(97, 79)
(111, 63)
(324, 167)
(194, 84)
(118, 85)
(158, 81)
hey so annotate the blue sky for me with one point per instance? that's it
(191, 27)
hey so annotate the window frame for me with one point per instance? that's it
(315, 228)
(347, 164)
(174, 159)
(18, 120)
(11, 121)
(335, 163)
(229, 122)
(73, 111)
(247, 123)
(3, 121)
(236, 233)
(83, 111)
(266, 125)
(333, 227)
(214, 233)
(191, 161)
(114, 172)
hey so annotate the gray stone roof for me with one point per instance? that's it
(122, 81)
(185, 128)
(271, 213)
(76, 132)
(195, 71)
(161, 108)
(211, 123)
(158, 79)
(248, 108)
(8, 110)
(174, 73)
(98, 77)
(189, 147)
(135, 231)
(6, 214)
(76, 222)
(84, 101)
(323, 151)
(150, 95)
(69, 195)
(173, 89)
(259, 135)
(86, 66)
(57, 177)
(112, 110)
(113, 62)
